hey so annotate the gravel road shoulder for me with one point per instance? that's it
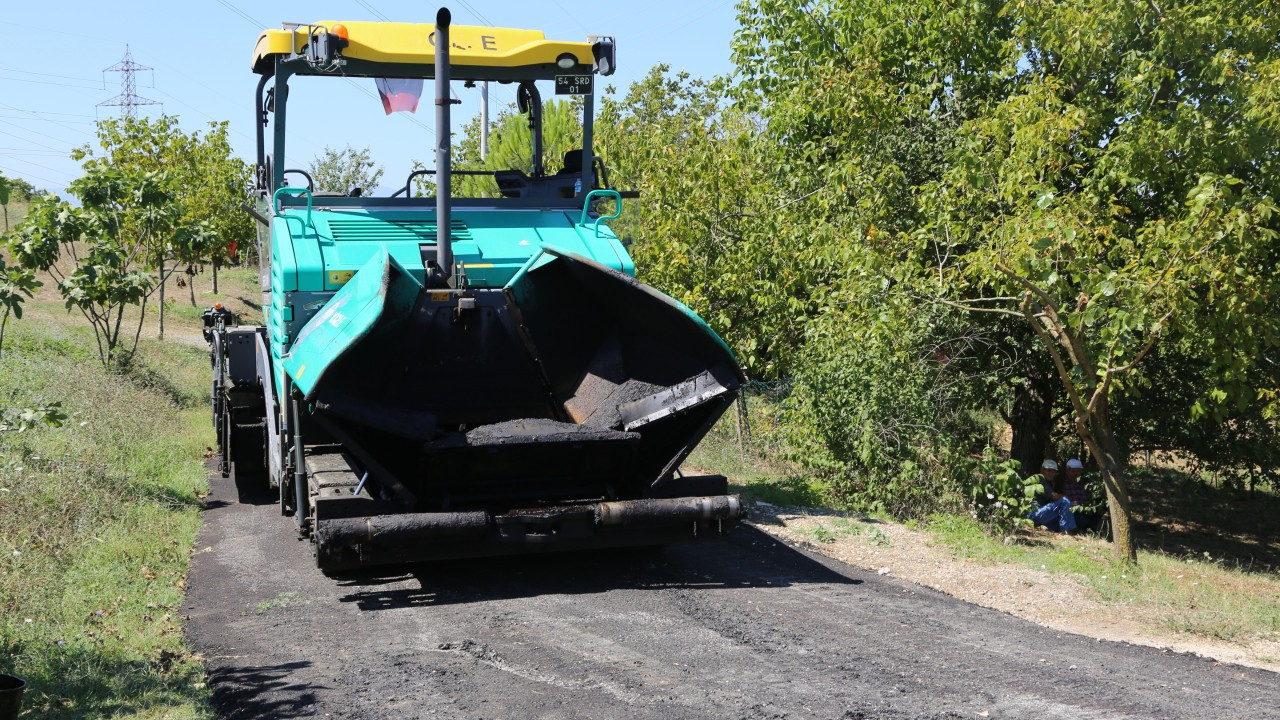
(1054, 600)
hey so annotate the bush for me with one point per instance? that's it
(999, 495)
(884, 417)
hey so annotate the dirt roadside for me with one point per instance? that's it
(1054, 600)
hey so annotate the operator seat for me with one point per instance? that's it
(511, 183)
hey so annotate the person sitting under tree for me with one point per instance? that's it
(1053, 509)
(1077, 492)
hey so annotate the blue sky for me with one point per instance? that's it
(51, 79)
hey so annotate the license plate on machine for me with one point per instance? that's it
(574, 84)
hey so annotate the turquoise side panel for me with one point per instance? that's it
(381, 286)
(284, 280)
(284, 267)
(306, 251)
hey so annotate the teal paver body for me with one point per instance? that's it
(311, 263)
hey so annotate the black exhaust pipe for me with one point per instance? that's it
(443, 272)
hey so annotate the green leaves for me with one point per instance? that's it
(193, 175)
(715, 226)
(1110, 168)
(22, 419)
(17, 283)
(345, 170)
(97, 251)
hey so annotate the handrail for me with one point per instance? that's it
(409, 181)
(524, 269)
(432, 171)
(275, 200)
(586, 207)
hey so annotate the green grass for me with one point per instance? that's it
(99, 517)
(1191, 596)
(754, 472)
(182, 309)
(831, 529)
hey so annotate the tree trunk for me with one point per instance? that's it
(1102, 445)
(215, 274)
(191, 285)
(1031, 421)
(6, 218)
(162, 298)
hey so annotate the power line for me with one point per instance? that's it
(64, 123)
(47, 112)
(128, 100)
(33, 142)
(474, 12)
(30, 174)
(28, 162)
(47, 120)
(64, 77)
(97, 38)
(410, 118)
(58, 84)
(374, 10)
(241, 13)
(571, 16)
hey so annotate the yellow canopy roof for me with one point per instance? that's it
(393, 42)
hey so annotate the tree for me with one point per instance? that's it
(1111, 183)
(715, 227)
(24, 189)
(11, 187)
(215, 202)
(4, 199)
(15, 282)
(344, 170)
(107, 238)
(207, 182)
(510, 147)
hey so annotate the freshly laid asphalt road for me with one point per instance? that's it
(746, 627)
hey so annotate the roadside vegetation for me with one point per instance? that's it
(1204, 595)
(104, 424)
(947, 242)
(966, 238)
(99, 518)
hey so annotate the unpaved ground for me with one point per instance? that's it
(1054, 600)
(744, 628)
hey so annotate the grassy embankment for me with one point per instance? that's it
(98, 518)
(1210, 568)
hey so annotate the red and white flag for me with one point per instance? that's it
(399, 94)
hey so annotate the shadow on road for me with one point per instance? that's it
(747, 559)
(253, 489)
(263, 691)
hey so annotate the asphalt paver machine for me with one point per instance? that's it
(441, 377)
